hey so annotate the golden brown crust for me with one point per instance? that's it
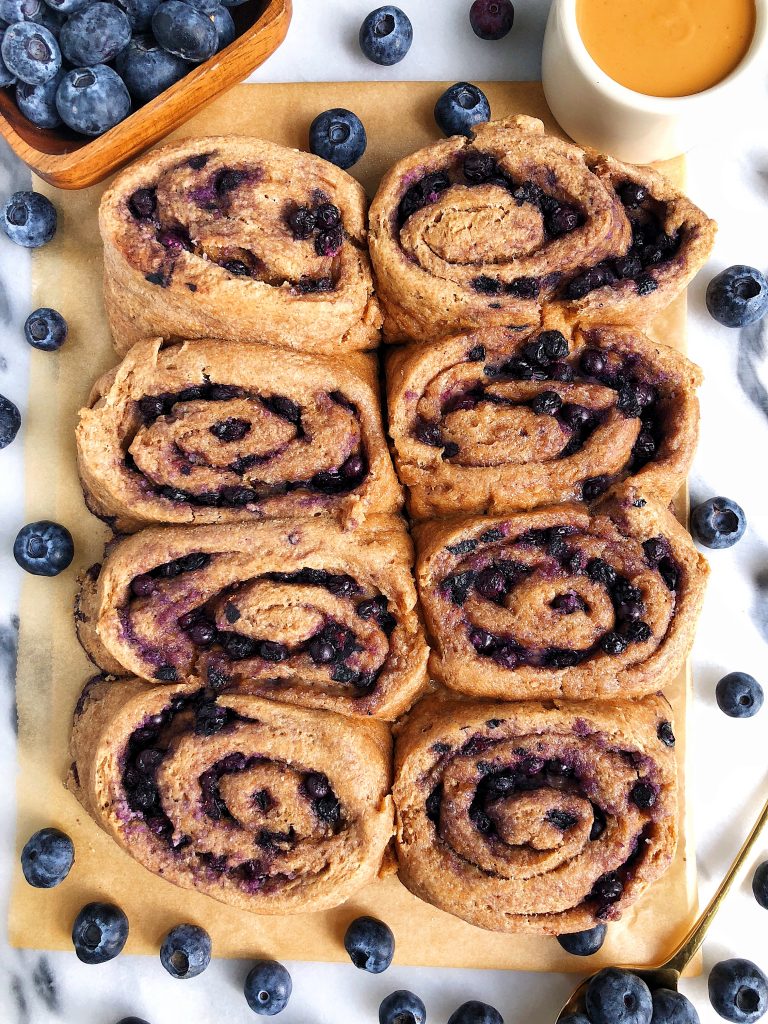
(177, 461)
(216, 257)
(497, 809)
(283, 853)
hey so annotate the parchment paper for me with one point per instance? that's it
(52, 668)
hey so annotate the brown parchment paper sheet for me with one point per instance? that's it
(52, 668)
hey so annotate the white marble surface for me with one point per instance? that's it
(729, 178)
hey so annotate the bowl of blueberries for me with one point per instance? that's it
(86, 85)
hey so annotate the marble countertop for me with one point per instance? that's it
(728, 177)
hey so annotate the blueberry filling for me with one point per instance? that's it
(143, 203)
(422, 193)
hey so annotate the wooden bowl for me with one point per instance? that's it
(68, 160)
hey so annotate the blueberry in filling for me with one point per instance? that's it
(422, 193)
(143, 203)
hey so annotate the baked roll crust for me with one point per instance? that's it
(295, 610)
(200, 432)
(269, 808)
(561, 601)
(499, 420)
(535, 817)
(239, 239)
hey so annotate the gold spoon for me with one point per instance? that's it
(667, 975)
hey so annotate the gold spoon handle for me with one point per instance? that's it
(690, 944)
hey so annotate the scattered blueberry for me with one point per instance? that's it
(670, 1007)
(268, 987)
(99, 933)
(47, 857)
(225, 27)
(584, 943)
(132, 1020)
(138, 12)
(618, 997)
(147, 69)
(95, 35)
(68, 6)
(491, 19)
(739, 695)
(339, 136)
(30, 52)
(738, 296)
(738, 991)
(43, 548)
(38, 102)
(370, 944)
(402, 1007)
(46, 329)
(186, 951)
(575, 1018)
(386, 35)
(760, 884)
(460, 108)
(475, 1012)
(718, 523)
(29, 219)
(183, 31)
(10, 421)
(12, 11)
(92, 100)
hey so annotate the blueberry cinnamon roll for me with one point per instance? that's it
(500, 420)
(268, 808)
(206, 433)
(561, 601)
(297, 610)
(239, 239)
(535, 817)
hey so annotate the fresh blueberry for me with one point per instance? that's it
(30, 52)
(12, 11)
(670, 1007)
(268, 987)
(29, 219)
(460, 108)
(233, 3)
(760, 884)
(738, 296)
(584, 943)
(475, 1012)
(47, 857)
(68, 6)
(738, 991)
(10, 421)
(147, 69)
(38, 102)
(6, 77)
(99, 933)
(43, 548)
(386, 35)
(138, 12)
(739, 695)
(370, 944)
(225, 27)
(206, 6)
(718, 523)
(402, 1007)
(92, 100)
(184, 32)
(186, 951)
(575, 1018)
(338, 135)
(618, 997)
(46, 329)
(491, 19)
(132, 1020)
(95, 35)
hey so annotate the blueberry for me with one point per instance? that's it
(386, 35)
(46, 329)
(268, 987)
(47, 857)
(186, 951)
(475, 1012)
(583, 943)
(30, 52)
(92, 100)
(402, 1007)
(718, 523)
(670, 1007)
(95, 35)
(99, 933)
(370, 944)
(739, 695)
(138, 12)
(738, 296)
(184, 32)
(132, 1020)
(38, 102)
(43, 548)
(12, 11)
(10, 421)
(339, 136)
(29, 219)
(738, 991)
(147, 69)
(618, 997)
(760, 884)
(574, 1018)
(225, 27)
(491, 19)
(460, 108)
(68, 6)
(6, 77)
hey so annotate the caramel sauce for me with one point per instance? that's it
(667, 47)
